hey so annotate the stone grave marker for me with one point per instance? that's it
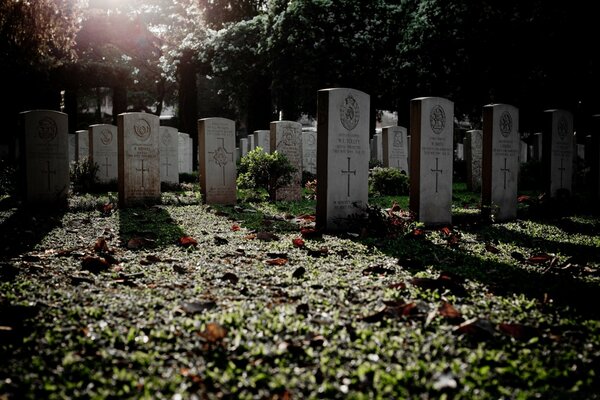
(523, 152)
(431, 159)
(139, 159)
(460, 151)
(72, 138)
(262, 139)
(286, 139)
(537, 146)
(44, 137)
(473, 148)
(378, 144)
(557, 153)
(190, 154)
(500, 161)
(309, 150)
(169, 154)
(83, 144)
(372, 150)
(183, 143)
(395, 148)
(105, 151)
(244, 146)
(238, 155)
(251, 143)
(217, 169)
(342, 156)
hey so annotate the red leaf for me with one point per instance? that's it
(519, 331)
(213, 332)
(298, 242)
(308, 233)
(523, 199)
(446, 231)
(492, 249)
(417, 233)
(187, 241)
(539, 258)
(250, 237)
(453, 240)
(235, 227)
(94, 264)
(307, 217)
(266, 236)
(101, 245)
(276, 261)
(448, 311)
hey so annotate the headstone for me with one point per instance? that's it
(183, 152)
(372, 149)
(557, 153)
(72, 147)
(238, 155)
(500, 162)
(473, 148)
(190, 154)
(395, 148)
(460, 151)
(378, 144)
(83, 145)
(217, 170)
(169, 154)
(46, 156)
(309, 150)
(251, 143)
(286, 139)
(244, 146)
(139, 160)
(431, 159)
(523, 152)
(262, 139)
(104, 150)
(342, 156)
(581, 151)
(537, 146)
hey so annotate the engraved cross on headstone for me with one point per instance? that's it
(166, 164)
(142, 170)
(48, 171)
(220, 157)
(436, 170)
(106, 165)
(562, 170)
(504, 170)
(348, 172)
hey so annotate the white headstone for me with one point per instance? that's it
(342, 156)
(183, 152)
(395, 148)
(169, 154)
(46, 151)
(286, 139)
(104, 150)
(190, 155)
(378, 145)
(251, 142)
(72, 148)
(557, 161)
(217, 169)
(581, 151)
(244, 146)
(139, 160)
(431, 159)
(523, 153)
(309, 150)
(473, 148)
(83, 145)
(500, 162)
(262, 139)
(460, 151)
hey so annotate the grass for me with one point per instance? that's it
(465, 312)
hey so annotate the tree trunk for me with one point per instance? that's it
(188, 101)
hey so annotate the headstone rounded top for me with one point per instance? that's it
(262, 130)
(217, 119)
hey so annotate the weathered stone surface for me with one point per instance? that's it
(309, 150)
(104, 151)
(557, 153)
(139, 160)
(169, 154)
(473, 150)
(431, 159)
(217, 169)
(395, 148)
(44, 139)
(286, 138)
(262, 139)
(83, 144)
(342, 156)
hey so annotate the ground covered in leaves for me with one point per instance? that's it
(183, 300)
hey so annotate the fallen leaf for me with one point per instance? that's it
(476, 328)
(539, 258)
(231, 277)
(392, 310)
(492, 249)
(219, 241)
(266, 236)
(298, 242)
(187, 241)
(416, 234)
(523, 199)
(398, 285)
(213, 332)
(235, 227)
(152, 258)
(453, 240)
(276, 261)
(446, 231)
(94, 264)
(448, 311)
(271, 254)
(299, 272)
(519, 331)
(137, 242)
(250, 237)
(322, 252)
(517, 256)
(309, 233)
(101, 245)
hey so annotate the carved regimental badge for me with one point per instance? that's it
(311, 139)
(505, 123)
(142, 129)
(349, 113)
(397, 139)
(106, 137)
(562, 128)
(287, 137)
(47, 129)
(437, 119)
(166, 137)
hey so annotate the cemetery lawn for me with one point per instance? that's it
(183, 300)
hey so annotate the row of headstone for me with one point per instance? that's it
(185, 152)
